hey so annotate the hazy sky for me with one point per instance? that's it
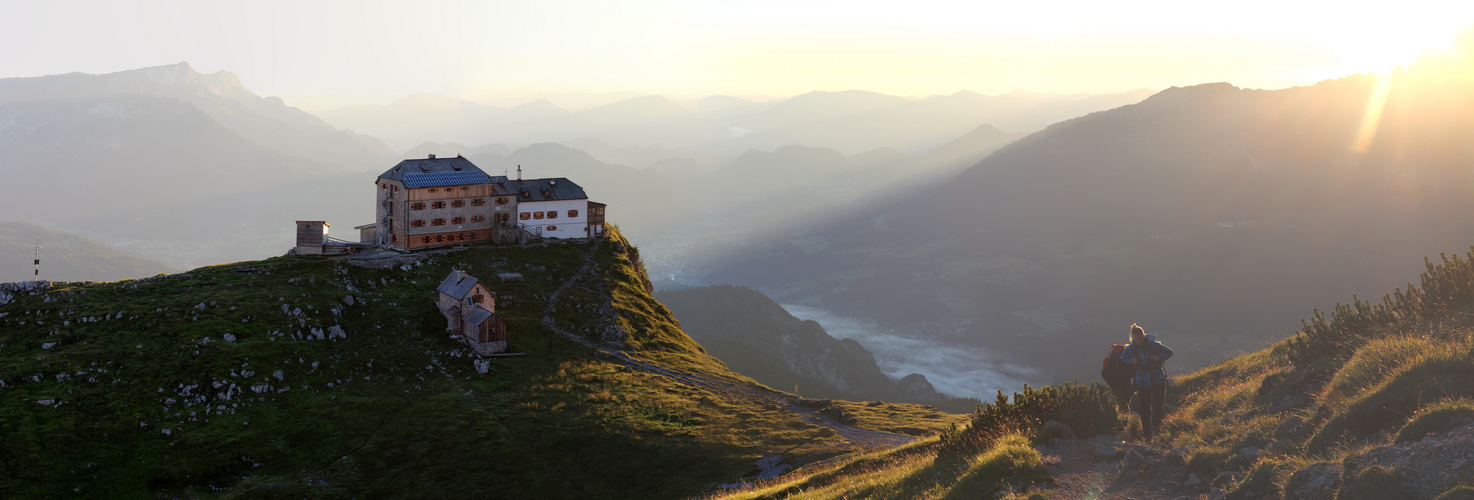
(317, 53)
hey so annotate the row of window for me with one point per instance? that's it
(441, 238)
(551, 214)
(455, 220)
(476, 202)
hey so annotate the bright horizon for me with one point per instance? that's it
(324, 54)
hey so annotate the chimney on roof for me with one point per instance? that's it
(519, 172)
(553, 182)
(432, 156)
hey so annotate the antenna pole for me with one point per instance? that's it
(38, 258)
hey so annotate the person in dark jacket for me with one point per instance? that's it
(1147, 355)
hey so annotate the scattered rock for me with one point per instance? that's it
(482, 365)
(1104, 452)
(48, 345)
(1250, 453)
(1132, 459)
(1056, 429)
(1177, 457)
(1317, 482)
(228, 337)
(1276, 446)
(1192, 480)
(166, 432)
(1289, 431)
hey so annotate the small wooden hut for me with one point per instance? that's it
(470, 311)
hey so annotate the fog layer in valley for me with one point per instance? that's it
(958, 371)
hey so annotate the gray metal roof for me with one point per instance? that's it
(478, 315)
(457, 285)
(549, 189)
(445, 179)
(430, 166)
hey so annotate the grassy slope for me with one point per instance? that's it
(1391, 373)
(395, 409)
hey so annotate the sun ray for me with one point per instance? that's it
(1372, 118)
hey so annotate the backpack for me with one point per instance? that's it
(1116, 373)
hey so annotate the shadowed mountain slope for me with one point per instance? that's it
(756, 337)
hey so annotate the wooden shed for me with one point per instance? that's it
(470, 311)
(311, 235)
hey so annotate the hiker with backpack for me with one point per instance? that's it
(1118, 375)
(1147, 355)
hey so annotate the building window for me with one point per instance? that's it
(552, 214)
(465, 188)
(427, 239)
(433, 190)
(437, 222)
(478, 218)
(458, 203)
(478, 202)
(501, 200)
(506, 217)
(439, 238)
(537, 215)
(552, 228)
(471, 236)
(437, 204)
(457, 220)
(573, 213)
(383, 186)
(419, 205)
(394, 238)
(417, 223)
(525, 216)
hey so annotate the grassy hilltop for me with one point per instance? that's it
(216, 383)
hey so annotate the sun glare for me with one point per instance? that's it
(1381, 52)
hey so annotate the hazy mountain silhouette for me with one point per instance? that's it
(265, 121)
(854, 121)
(850, 122)
(66, 257)
(168, 155)
(69, 159)
(1209, 213)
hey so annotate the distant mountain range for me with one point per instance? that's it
(66, 257)
(195, 169)
(1211, 214)
(182, 166)
(850, 122)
